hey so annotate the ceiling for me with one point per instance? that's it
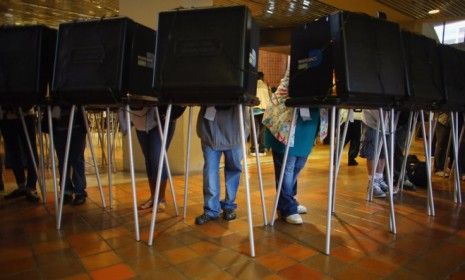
(54, 12)
(268, 13)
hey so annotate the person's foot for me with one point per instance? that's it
(301, 209)
(161, 205)
(203, 219)
(32, 196)
(352, 162)
(463, 178)
(16, 193)
(68, 199)
(229, 214)
(79, 199)
(146, 205)
(382, 184)
(441, 173)
(378, 192)
(294, 219)
(409, 185)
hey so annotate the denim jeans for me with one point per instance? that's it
(150, 143)
(16, 145)
(287, 204)
(211, 179)
(75, 177)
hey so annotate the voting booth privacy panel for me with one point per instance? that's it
(207, 56)
(425, 88)
(26, 62)
(101, 61)
(348, 58)
(453, 66)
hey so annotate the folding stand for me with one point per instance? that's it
(109, 159)
(41, 155)
(245, 168)
(427, 141)
(31, 151)
(334, 164)
(455, 144)
(412, 123)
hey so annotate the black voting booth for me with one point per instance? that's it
(453, 70)
(425, 88)
(105, 63)
(207, 56)
(347, 58)
(26, 63)
(101, 61)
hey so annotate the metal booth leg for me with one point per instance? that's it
(428, 164)
(52, 156)
(160, 163)
(109, 160)
(247, 183)
(339, 155)
(65, 165)
(330, 181)
(94, 160)
(31, 151)
(41, 155)
(188, 157)
(283, 168)
(167, 164)
(131, 169)
(259, 168)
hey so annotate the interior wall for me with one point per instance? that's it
(273, 66)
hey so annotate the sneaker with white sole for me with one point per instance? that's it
(382, 184)
(301, 209)
(294, 219)
(378, 192)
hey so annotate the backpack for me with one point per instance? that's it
(416, 171)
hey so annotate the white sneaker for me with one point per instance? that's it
(301, 209)
(382, 184)
(378, 192)
(294, 219)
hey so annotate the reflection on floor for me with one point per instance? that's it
(99, 243)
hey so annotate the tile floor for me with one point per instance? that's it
(99, 243)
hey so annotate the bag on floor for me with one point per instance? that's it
(416, 171)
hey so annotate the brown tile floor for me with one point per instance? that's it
(99, 243)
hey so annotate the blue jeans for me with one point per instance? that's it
(211, 179)
(150, 143)
(287, 204)
(75, 181)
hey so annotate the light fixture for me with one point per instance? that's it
(433, 12)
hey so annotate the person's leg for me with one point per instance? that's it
(78, 146)
(157, 149)
(354, 147)
(59, 139)
(367, 151)
(442, 138)
(31, 172)
(211, 185)
(144, 142)
(287, 205)
(260, 133)
(232, 175)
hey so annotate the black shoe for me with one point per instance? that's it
(79, 199)
(2, 187)
(352, 162)
(32, 196)
(16, 193)
(229, 214)
(68, 199)
(203, 219)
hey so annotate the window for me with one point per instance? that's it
(452, 32)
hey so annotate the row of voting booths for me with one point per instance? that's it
(209, 57)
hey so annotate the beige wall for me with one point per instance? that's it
(146, 13)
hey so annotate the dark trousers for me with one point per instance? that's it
(16, 145)
(442, 138)
(354, 131)
(260, 134)
(150, 143)
(75, 177)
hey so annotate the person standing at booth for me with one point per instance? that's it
(18, 153)
(75, 177)
(263, 94)
(219, 131)
(277, 121)
(146, 125)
